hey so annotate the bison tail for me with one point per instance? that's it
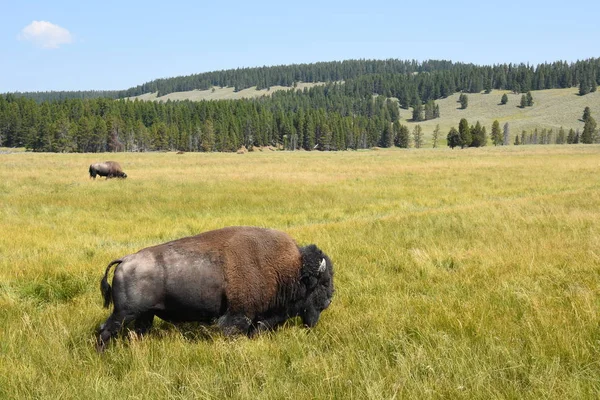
(105, 288)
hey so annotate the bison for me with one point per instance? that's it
(109, 169)
(244, 279)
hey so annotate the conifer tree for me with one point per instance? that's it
(453, 138)
(403, 137)
(523, 101)
(589, 131)
(586, 114)
(418, 136)
(529, 99)
(584, 88)
(436, 134)
(464, 101)
(464, 133)
(496, 133)
(504, 99)
(417, 114)
(560, 138)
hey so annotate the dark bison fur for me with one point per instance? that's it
(109, 169)
(244, 279)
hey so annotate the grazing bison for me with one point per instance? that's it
(246, 279)
(109, 169)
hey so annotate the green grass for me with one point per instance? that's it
(459, 274)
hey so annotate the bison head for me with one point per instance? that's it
(317, 275)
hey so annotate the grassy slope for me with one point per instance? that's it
(460, 274)
(553, 108)
(220, 93)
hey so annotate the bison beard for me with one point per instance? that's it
(246, 279)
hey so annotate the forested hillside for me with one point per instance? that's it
(343, 113)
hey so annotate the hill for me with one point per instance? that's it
(358, 104)
(553, 108)
(222, 93)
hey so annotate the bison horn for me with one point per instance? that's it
(322, 266)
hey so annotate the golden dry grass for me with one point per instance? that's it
(459, 274)
(221, 93)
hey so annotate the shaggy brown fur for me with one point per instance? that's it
(256, 263)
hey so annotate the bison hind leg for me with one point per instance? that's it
(143, 323)
(232, 324)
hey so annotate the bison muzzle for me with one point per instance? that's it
(244, 279)
(109, 169)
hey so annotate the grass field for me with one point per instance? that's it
(469, 274)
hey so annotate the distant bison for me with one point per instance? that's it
(109, 169)
(246, 279)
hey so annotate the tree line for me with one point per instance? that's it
(289, 120)
(404, 79)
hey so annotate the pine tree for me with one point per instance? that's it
(586, 114)
(523, 101)
(418, 136)
(584, 88)
(417, 114)
(464, 133)
(387, 137)
(560, 138)
(504, 99)
(496, 133)
(436, 134)
(453, 138)
(478, 135)
(571, 136)
(403, 137)
(529, 99)
(517, 140)
(589, 131)
(464, 101)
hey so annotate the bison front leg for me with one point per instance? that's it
(266, 324)
(232, 324)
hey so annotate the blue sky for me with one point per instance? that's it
(79, 45)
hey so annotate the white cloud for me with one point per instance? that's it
(45, 34)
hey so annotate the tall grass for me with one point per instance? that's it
(459, 274)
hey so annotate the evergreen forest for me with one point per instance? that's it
(357, 106)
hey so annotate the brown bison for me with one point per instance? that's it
(246, 279)
(109, 169)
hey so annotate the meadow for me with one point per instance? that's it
(467, 274)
